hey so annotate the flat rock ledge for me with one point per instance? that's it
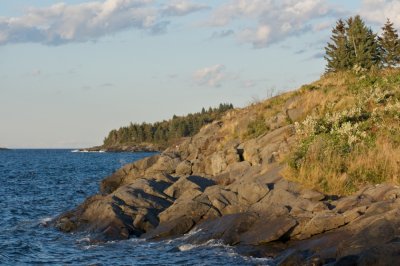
(236, 194)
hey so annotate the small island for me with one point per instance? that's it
(4, 149)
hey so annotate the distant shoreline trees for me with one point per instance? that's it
(354, 45)
(166, 132)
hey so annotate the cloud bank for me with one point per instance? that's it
(274, 20)
(257, 22)
(377, 11)
(62, 23)
(182, 8)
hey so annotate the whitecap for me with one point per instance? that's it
(45, 221)
(187, 247)
(209, 243)
(85, 239)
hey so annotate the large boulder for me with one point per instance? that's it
(130, 210)
(188, 183)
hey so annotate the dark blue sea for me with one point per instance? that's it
(38, 185)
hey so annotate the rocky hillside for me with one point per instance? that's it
(307, 178)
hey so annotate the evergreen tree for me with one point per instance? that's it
(389, 43)
(362, 44)
(165, 132)
(337, 51)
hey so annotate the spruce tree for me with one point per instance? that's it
(337, 56)
(362, 44)
(389, 43)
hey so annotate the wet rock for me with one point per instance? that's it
(228, 228)
(175, 227)
(381, 255)
(129, 210)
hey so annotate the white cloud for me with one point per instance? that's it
(182, 8)
(62, 23)
(275, 19)
(211, 76)
(377, 11)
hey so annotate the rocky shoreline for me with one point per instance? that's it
(218, 185)
(235, 193)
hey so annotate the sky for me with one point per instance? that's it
(71, 71)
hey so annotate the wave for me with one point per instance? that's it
(45, 221)
(209, 243)
(227, 250)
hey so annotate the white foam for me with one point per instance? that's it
(192, 232)
(209, 243)
(90, 247)
(45, 221)
(187, 247)
(85, 239)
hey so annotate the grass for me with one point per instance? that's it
(351, 136)
(348, 134)
(256, 128)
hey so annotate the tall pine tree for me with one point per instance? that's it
(389, 43)
(337, 52)
(362, 43)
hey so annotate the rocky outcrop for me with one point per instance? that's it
(230, 189)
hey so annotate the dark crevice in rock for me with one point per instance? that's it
(240, 154)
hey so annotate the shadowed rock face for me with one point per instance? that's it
(228, 190)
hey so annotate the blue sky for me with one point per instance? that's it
(71, 71)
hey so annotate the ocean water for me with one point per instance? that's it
(38, 185)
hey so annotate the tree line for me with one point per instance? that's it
(354, 45)
(165, 132)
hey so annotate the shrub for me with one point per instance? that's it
(256, 127)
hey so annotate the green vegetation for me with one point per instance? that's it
(351, 136)
(354, 46)
(256, 127)
(354, 138)
(164, 133)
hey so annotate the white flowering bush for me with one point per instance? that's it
(341, 148)
(393, 109)
(345, 126)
